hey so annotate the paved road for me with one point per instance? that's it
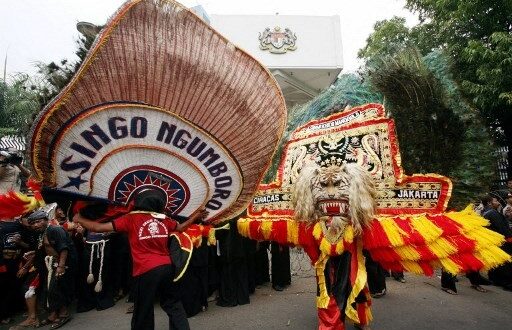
(417, 304)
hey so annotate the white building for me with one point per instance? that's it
(303, 52)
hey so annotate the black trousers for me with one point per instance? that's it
(61, 290)
(448, 280)
(10, 293)
(234, 284)
(261, 263)
(280, 266)
(376, 275)
(145, 289)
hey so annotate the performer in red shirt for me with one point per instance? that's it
(148, 232)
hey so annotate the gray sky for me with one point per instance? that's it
(45, 30)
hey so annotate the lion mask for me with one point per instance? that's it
(344, 194)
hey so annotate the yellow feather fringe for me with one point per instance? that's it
(243, 227)
(393, 232)
(407, 252)
(492, 256)
(450, 266)
(412, 266)
(325, 246)
(428, 230)
(266, 229)
(293, 232)
(442, 248)
(317, 231)
(348, 235)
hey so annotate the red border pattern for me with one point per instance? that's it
(181, 182)
(365, 109)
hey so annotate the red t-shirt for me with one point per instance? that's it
(148, 234)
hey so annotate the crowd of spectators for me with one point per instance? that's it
(51, 266)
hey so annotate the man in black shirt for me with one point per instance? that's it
(58, 251)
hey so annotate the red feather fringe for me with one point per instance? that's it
(35, 186)
(11, 206)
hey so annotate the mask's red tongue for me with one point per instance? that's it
(333, 208)
(338, 207)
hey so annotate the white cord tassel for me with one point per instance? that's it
(90, 277)
(99, 284)
(30, 292)
(99, 248)
(48, 260)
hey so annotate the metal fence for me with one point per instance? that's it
(300, 264)
(502, 158)
(12, 142)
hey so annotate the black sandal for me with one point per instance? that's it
(450, 291)
(46, 322)
(130, 309)
(60, 321)
(479, 288)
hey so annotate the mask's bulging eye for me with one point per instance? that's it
(323, 184)
(337, 183)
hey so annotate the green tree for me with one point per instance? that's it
(475, 168)
(476, 171)
(18, 103)
(429, 132)
(476, 35)
(388, 38)
(438, 130)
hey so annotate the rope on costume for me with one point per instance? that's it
(48, 261)
(99, 284)
(90, 277)
(99, 246)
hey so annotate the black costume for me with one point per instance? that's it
(95, 266)
(233, 269)
(281, 275)
(261, 273)
(194, 283)
(60, 291)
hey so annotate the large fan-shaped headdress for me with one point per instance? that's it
(162, 101)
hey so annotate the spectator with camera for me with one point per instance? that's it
(10, 169)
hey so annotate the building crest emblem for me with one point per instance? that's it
(277, 41)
